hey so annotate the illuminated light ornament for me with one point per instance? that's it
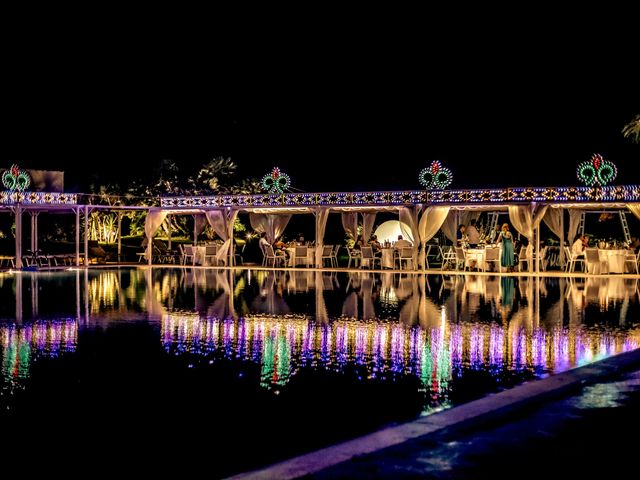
(16, 179)
(435, 176)
(597, 171)
(276, 181)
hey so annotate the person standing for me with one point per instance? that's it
(473, 235)
(507, 259)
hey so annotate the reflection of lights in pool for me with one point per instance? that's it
(283, 345)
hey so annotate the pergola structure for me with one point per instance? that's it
(425, 211)
(35, 203)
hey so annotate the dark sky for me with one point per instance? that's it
(498, 111)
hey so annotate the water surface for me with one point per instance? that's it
(249, 367)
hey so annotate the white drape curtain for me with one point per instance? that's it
(431, 221)
(222, 224)
(199, 222)
(321, 215)
(574, 222)
(274, 225)
(350, 224)
(526, 218)
(154, 219)
(409, 216)
(634, 208)
(450, 225)
(554, 220)
(456, 218)
(368, 220)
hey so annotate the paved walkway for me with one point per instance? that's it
(589, 435)
(579, 423)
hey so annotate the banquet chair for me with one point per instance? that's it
(631, 258)
(406, 255)
(271, 257)
(301, 256)
(354, 255)
(369, 258)
(492, 256)
(327, 254)
(573, 259)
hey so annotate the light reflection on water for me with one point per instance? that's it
(383, 326)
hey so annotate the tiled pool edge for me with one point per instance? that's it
(481, 410)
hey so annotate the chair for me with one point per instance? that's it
(187, 254)
(524, 257)
(406, 255)
(369, 257)
(542, 258)
(354, 255)
(334, 256)
(237, 255)
(96, 252)
(492, 256)
(460, 257)
(327, 254)
(210, 254)
(448, 256)
(631, 258)
(302, 255)
(572, 259)
(270, 256)
(592, 260)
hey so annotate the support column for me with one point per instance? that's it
(119, 236)
(562, 240)
(86, 236)
(195, 231)
(149, 248)
(169, 232)
(77, 210)
(18, 214)
(315, 257)
(231, 250)
(34, 232)
(537, 254)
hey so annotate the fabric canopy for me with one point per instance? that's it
(273, 224)
(430, 222)
(154, 219)
(526, 218)
(222, 224)
(350, 224)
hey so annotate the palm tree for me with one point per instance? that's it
(632, 129)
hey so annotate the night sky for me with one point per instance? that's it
(330, 117)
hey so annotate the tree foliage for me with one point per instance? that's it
(632, 129)
(215, 177)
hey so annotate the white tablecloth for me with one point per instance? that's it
(474, 258)
(611, 261)
(387, 258)
(311, 256)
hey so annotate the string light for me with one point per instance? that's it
(435, 176)
(618, 193)
(15, 179)
(597, 171)
(276, 181)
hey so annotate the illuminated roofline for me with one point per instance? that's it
(479, 196)
(8, 197)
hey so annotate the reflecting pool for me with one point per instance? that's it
(273, 364)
